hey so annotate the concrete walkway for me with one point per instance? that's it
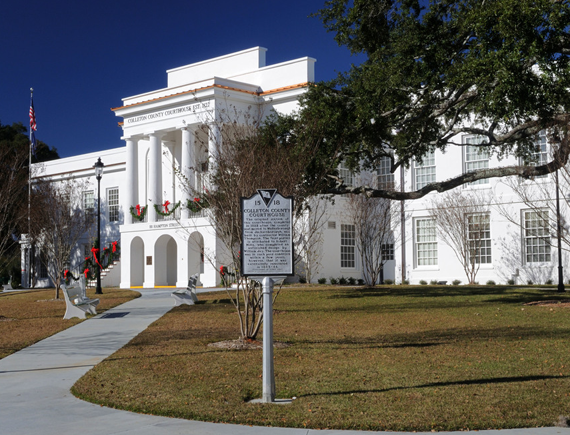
(35, 383)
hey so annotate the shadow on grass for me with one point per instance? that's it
(503, 380)
(438, 337)
(501, 294)
(420, 291)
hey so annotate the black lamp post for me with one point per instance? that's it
(98, 174)
(559, 237)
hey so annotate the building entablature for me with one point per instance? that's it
(80, 166)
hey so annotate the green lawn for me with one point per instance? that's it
(386, 358)
(27, 317)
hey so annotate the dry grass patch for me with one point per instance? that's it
(27, 317)
(400, 358)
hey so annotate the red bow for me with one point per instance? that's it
(65, 272)
(95, 251)
(165, 205)
(138, 207)
(114, 244)
(86, 272)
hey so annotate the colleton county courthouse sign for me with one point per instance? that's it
(168, 113)
(267, 234)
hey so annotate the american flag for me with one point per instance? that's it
(33, 125)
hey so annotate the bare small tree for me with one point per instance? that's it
(13, 194)
(249, 154)
(309, 237)
(57, 223)
(463, 223)
(373, 220)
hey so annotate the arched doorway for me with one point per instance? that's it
(166, 258)
(137, 262)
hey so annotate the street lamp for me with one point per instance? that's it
(559, 237)
(98, 174)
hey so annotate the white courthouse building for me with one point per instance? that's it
(171, 132)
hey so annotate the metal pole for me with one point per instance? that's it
(29, 253)
(559, 237)
(403, 225)
(268, 373)
(98, 253)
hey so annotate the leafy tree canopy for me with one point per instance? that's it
(435, 69)
(16, 136)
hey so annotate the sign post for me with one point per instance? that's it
(267, 253)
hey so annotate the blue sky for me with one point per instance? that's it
(82, 57)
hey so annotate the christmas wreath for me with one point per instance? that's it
(138, 212)
(197, 205)
(166, 212)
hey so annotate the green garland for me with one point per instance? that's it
(198, 204)
(135, 215)
(168, 213)
(106, 258)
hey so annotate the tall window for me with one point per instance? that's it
(426, 242)
(387, 251)
(384, 177)
(347, 246)
(346, 175)
(476, 157)
(88, 201)
(113, 204)
(540, 155)
(424, 173)
(479, 233)
(536, 236)
(42, 269)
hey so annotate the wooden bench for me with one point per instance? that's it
(77, 303)
(187, 295)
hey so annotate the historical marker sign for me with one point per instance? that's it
(267, 234)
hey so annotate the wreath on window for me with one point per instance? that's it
(138, 212)
(164, 206)
(198, 204)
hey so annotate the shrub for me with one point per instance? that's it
(433, 282)
(406, 282)
(456, 282)
(360, 281)
(352, 280)
(549, 282)
(333, 281)
(322, 281)
(389, 281)
(511, 282)
(342, 280)
(302, 280)
(423, 282)
(491, 282)
(529, 282)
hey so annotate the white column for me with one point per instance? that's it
(130, 198)
(149, 269)
(187, 162)
(168, 175)
(214, 145)
(154, 175)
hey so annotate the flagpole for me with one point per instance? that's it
(29, 265)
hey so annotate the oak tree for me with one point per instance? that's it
(435, 70)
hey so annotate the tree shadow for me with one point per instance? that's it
(501, 380)
(439, 337)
